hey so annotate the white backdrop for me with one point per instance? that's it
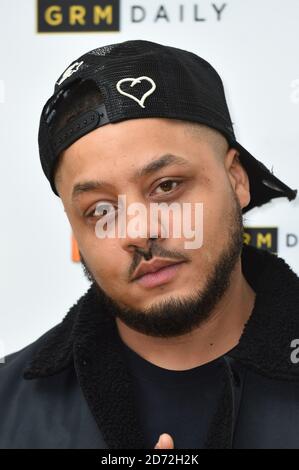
(254, 47)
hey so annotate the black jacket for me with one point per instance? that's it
(71, 387)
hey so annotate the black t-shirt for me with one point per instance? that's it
(179, 403)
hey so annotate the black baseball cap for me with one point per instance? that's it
(139, 79)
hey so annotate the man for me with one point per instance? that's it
(172, 346)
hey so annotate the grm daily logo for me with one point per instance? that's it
(69, 16)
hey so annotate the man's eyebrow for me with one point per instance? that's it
(152, 167)
(88, 186)
(163, 161)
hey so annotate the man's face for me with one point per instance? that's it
(115, 154)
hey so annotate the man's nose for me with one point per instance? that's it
(138, 232)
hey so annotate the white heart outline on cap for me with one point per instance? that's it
(134, 81)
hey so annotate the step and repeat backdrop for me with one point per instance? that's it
(253, 45)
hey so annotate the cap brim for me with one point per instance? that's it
(264, 186)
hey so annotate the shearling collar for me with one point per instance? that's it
(88, 339)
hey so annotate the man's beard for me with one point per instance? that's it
(177, 316)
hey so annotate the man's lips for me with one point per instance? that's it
(159, 277)
(153, 266)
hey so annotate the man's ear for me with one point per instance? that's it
(238, 177)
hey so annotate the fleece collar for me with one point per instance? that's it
(88, 340)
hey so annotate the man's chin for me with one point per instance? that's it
(143, 301)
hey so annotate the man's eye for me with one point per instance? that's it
(166, 186)
(102, 209)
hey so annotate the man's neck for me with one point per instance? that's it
(217, 336)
